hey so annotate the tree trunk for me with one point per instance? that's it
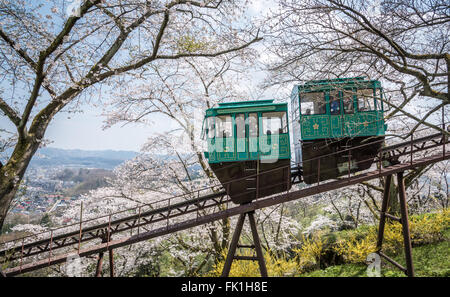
(11, 173)
(394, 206)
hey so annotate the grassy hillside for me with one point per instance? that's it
(431, 260)
(344, 253)
(430, 234)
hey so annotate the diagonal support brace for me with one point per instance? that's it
(409, 270)
(234, 244)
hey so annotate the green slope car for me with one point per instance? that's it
(338, 121)
(341, 121)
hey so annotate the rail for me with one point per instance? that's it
(163, 218)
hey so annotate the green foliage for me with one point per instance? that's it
(151, 265)
(276, 266)
(189, 44)
(429, 235)
(431, 260)
(430, 227)
(352, 247)
(6, 228)
(46, 221)
(355, 250)
(355, 245)
(347, 270)
(310, 253)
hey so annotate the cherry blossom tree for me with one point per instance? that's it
(54, 57)
(403, 43)
(181, 93)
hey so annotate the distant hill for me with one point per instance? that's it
(107, 159)
(84, 179)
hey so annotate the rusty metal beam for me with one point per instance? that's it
(257, 243)
(233, 245)
(98, 269)
(130, 222)
(115, 226)
(415, 141)
(392, 261)
(405, 224)
(384, 206)
(111, 263)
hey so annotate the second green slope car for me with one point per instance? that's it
(331, 116)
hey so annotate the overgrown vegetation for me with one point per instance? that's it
(276, 266)
(431, 260)
(344, 253)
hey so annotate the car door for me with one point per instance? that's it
(348, 108)
(241, 137)
(336, 115)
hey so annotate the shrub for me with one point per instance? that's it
(276, 266)
(430, 227)
(355, 245)
(355, 250)
(308, 256)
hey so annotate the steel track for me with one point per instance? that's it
(105, 231)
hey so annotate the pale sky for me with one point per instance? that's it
(84, 131)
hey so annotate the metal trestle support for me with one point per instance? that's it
(409, 270)
(234, 244)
